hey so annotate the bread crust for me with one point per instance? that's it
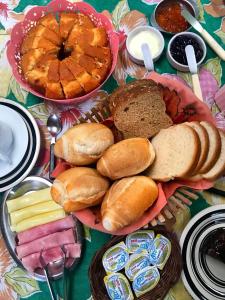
(126, 158)
(127, 200)
(209, 164)
(78, 188)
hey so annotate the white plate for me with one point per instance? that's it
(203, 275)
(20, 138)
(36, 141)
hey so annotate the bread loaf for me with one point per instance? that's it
(127, 200)
(177, 152)
(78, 188)
(126, 158)
(84, 144)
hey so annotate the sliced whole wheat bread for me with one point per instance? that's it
(141, 112)
(177, 152)
(218, 168)
(214, 147)
(204, 141)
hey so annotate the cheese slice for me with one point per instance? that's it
(30, 211)
(39, 220)
(28, 200)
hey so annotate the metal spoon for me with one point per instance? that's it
(54, 127)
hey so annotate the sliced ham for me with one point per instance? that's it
(44, 230)
(72, 250)
(46, 242)
(32, 262)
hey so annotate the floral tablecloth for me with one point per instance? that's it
(15, 283)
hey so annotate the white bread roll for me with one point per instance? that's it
(78, 188)
(84, 144)
(126, 158)
(126, 201)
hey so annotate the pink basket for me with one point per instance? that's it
(20, 30)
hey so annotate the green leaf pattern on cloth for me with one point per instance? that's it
(17, 90)
(87, 233)
(119, 12)
(201, 11)
(20, 282)
(214, 66)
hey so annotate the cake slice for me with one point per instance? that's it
(87, 82)
(50, 22)
(218, 168)
(46, 33)
(33, 42)
(29, 59)
(214, 147)
(66, 23)
(141, 112)
(177, 150)
(53, 86)
(204, 141)
(71, 86)
(85, 21)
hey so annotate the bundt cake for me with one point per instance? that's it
(65, 59)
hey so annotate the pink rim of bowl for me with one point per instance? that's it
(55, 6)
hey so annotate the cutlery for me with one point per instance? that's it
(198, 27)
(54, 126)
(148, 61)
(192, 64)
(47, 277)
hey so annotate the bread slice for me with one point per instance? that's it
(177, 151)
(219, 167)
(204, 141)
(120, 93)
(214, 147)
(142, 113)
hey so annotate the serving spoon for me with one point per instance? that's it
(54, 126)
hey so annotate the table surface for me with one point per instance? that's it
(15, 283)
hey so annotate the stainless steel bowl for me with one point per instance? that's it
(29, 184)
(189, 4)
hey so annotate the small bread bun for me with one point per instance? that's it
(126, 158)
(84, 144)
(78, 188)
(126, 201)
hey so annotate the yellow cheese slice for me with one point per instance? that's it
(30, 211)
(39, 220)
(29, 200)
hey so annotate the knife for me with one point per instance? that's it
(198, 27)
(192, 64)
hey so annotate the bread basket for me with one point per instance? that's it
(20, 30)
(168, 276)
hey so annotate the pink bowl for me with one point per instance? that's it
(20, 30)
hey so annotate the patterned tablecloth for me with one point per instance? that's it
(15, 283)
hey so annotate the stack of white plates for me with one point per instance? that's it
(203, 251)
(19, 143)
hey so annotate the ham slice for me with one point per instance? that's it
(43, 230)
(32, 262)
(46, 242)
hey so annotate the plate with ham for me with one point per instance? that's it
(37, 231)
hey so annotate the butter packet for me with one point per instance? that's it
(145, 280)
(136, 263)
(115, 258)
(118, 287)
(140, 240)
(160, 251)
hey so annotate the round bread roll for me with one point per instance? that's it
(126, 158)
(126, 201)
(78, 188)
(84, 144)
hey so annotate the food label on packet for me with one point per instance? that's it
(115, 258)
(160, 251)
(145, 280)
(140, 240)
(118, 287)
(136, 263)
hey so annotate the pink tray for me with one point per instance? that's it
(20, 30)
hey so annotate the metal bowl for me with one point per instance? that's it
(30, 184)
(189, 4)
